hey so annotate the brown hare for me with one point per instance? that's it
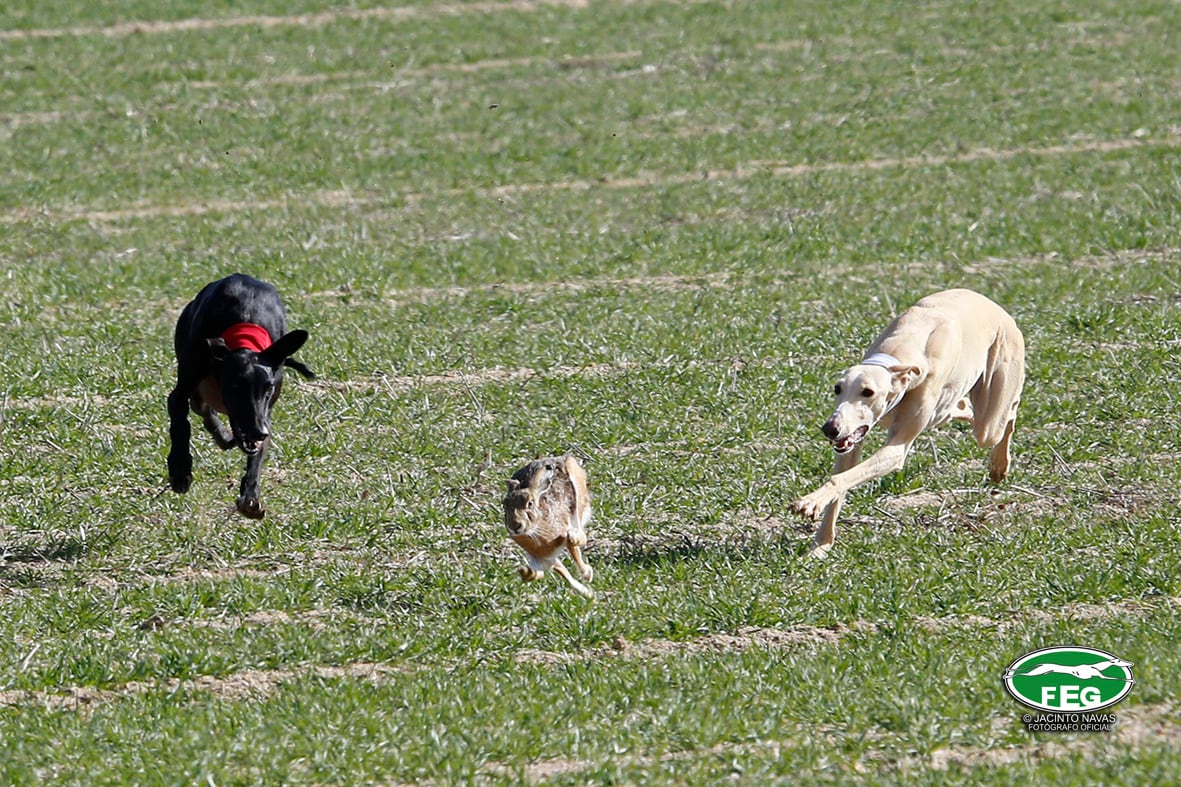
(546, 511)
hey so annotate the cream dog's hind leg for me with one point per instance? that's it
(995, 400)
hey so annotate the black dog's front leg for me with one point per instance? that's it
(249, 502)
(180, 461)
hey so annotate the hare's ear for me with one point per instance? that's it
(578, 479)
(513, 485)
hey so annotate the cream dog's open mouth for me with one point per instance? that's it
(843, 445)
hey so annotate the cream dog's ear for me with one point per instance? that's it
(904, 377)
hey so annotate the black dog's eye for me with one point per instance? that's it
(837, 390)
(867, 393)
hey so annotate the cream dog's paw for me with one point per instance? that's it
(819, 552)
(812, 505)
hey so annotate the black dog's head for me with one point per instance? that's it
(250, 382)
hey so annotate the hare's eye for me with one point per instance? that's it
(867, 393)
(837, 389)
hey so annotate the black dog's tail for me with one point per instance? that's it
(299, 367)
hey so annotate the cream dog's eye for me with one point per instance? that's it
(837, 390)
(867, 393)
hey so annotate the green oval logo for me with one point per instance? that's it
(1068, 679)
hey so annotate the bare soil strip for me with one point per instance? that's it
(322, 19)
(795, 636)
(250, 684)
(744, 639)
(1138, 726)
(345, 198)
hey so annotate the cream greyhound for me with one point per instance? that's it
(954, 354)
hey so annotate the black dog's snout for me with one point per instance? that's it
(830, 429)
(252, 442)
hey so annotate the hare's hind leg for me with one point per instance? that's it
(578, 587)
(584, 569)
(575, 541)
(534, 569)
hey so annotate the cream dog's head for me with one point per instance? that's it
(865, 393)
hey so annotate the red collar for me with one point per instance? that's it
(247, 336)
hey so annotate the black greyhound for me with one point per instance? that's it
(231, 347)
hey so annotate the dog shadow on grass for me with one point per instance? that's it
(30, 563)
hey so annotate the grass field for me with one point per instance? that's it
(647, 231)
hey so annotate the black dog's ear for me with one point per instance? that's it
(218, 348)
(287, 345)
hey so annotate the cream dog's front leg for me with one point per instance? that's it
(889, 458)
(827, 532)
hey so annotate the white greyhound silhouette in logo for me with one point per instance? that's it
(1080, 671)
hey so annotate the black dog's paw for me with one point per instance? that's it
(180, 472)
(251, 508)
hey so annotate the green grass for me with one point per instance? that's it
(651, 232)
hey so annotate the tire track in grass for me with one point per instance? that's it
(151, 310)
(724, 281)
(458, 379)
(310, 20)
(462, 379)
(661, 282)
(319, 19)
(344, 198)
(475, 67)
(369, 79)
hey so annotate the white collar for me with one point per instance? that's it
(886, 361)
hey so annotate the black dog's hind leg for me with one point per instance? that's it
(221, 435)
(249, 503)
(180, 460)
